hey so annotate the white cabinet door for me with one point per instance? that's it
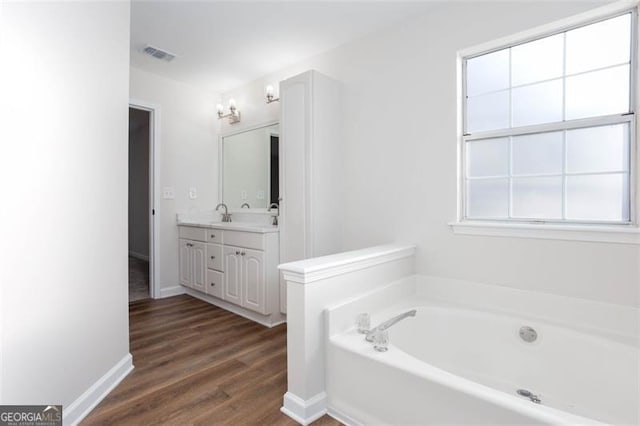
(253, 280)
(199, 264)
(232, 275)
(185, 268)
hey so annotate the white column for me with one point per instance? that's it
(312, 285)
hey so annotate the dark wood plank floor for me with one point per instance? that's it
(199, 364)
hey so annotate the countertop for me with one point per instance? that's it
(231, 226)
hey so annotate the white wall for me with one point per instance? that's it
(400, 133)
(188, 157)
(139, 182)
(63, 221)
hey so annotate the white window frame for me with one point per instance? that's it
(600, 231)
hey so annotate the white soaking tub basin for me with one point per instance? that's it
(452, 365)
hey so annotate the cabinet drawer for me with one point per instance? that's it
(214, 236)
(215, 281)
(250, 240)
(192, 233)
(214, 256)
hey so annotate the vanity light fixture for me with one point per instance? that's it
(233, 115)
(270, 94)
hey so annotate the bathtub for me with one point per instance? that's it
(460, 364)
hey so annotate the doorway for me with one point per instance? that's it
(139, 197)
(142, 250)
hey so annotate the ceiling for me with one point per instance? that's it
(222, 45)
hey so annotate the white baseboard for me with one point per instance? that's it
(343, 418)
(78, 409)
(266, 320)
(304, 412)
(139, 255)
(171, 291)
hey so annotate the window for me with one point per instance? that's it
(549, 128)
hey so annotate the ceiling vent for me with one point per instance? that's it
(159, 53)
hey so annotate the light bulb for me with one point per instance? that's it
(269, 90)
(232, 103)
(219, 108)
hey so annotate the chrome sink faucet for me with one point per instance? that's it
(388, 323)
(226, 216)
(275, 218)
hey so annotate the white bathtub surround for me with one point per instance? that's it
(312, 285)
(460, 360)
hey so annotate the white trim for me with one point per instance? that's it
(171, 291)
(561, 25)
(138, 255)
(304, 412)
(320, 268)
(600, 234)
(82, 406)
(154, 192)
(342, 417)
(249, 128)
(558, 126)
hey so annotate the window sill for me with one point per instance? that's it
(600, 234)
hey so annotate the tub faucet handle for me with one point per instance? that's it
(364, 323)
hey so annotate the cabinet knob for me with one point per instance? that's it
(243, 253)
(212, 284)
(213, 235)
(237, 252)
(213, 257)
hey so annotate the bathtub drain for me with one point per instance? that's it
(528, 334)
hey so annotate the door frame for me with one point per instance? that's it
(154, 192)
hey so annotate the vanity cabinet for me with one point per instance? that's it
(236, 269)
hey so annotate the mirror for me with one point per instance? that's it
(250, 168)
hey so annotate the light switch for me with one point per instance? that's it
(243, 194)
(260, 195)
(193, 193)
(168, 193)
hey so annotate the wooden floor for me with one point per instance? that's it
(199, 364)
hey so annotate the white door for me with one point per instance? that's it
(232, 275)
(199, 278)
(185, 263)
(253, 280)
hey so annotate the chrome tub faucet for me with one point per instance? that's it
(388, 323)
